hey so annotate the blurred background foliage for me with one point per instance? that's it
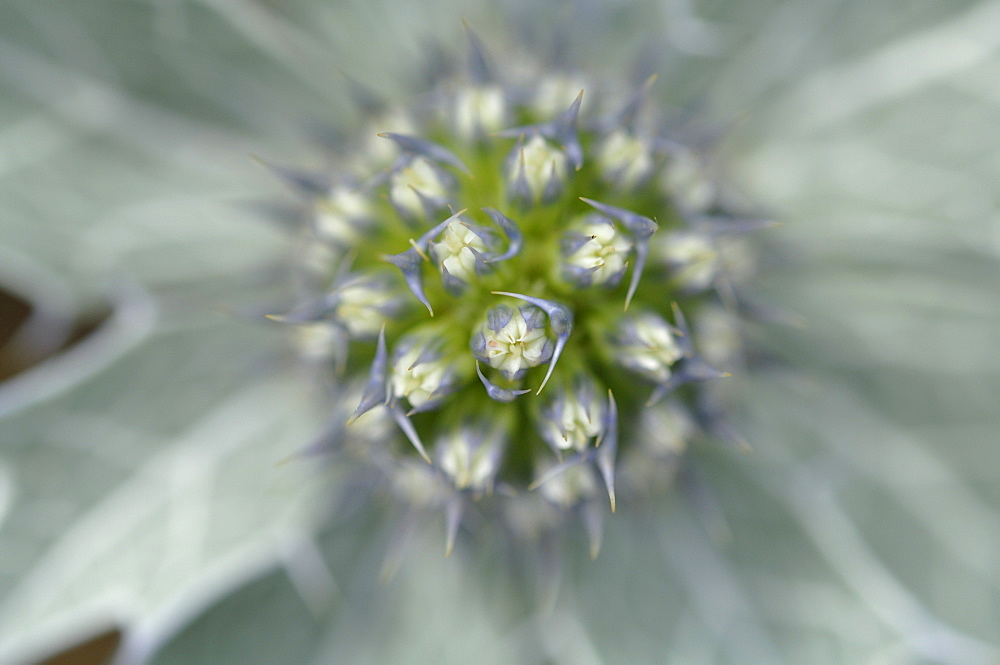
(144, 409)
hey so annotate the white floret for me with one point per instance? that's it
(540, 162)
(454, 252)
(605, 253)
(648, 347)
(418, 383)
(411, 182)
(479, 111)
(515, 347)
(624, 158)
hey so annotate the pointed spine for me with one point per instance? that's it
(376, 389)
(423, 148)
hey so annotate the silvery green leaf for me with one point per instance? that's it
(863, 527)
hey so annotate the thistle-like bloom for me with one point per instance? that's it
(510, 288)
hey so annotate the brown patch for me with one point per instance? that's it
(17, 356)
(97, 650)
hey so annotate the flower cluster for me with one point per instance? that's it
(504, 273)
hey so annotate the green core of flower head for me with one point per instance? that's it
(509, 284)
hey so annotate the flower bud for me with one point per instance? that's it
(471, 455)
(513, 340)
(574, 419)
(595, 252)
(668, 430)
(688, 180)
(624, 159)
(571, 486)
(645, 344)
(460, 252)
(319, 341)
(422, 373)
(536, 171)
(691, 258)
(479, 111)
(342, 216)
(418, 188)
(363, 303)
(554, 93)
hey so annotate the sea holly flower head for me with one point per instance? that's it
(507, 288)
